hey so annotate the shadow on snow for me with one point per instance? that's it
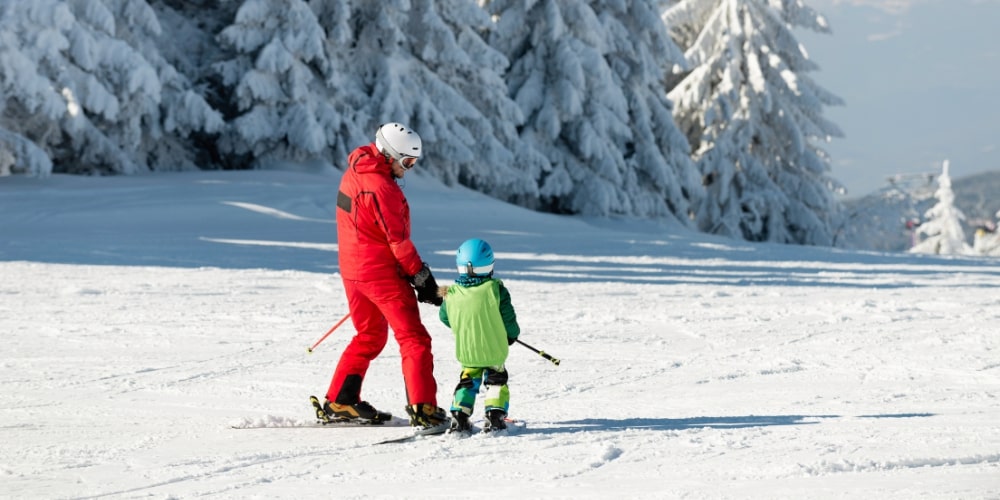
(676, 424)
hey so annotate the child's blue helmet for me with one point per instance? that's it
(474, 258)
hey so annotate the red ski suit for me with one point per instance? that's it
(376, 258)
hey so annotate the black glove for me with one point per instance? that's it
(511, 340)
(427, 287)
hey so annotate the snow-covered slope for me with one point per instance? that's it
(142, 316)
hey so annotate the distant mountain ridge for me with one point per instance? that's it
(978, 197)
(878, 221)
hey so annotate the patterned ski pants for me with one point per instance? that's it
(497, 393)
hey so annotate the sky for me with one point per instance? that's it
(145, 316)
(920, 80)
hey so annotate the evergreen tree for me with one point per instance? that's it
(753, 117)
(318, 78)
(577, 110)
(549, 89)
(448, 83)
(189, 44)
(80, 95)
(352, 125)
(164, 132)
(29, 105)
(659, 177)
(424, 63)
(943, 227)
(276, 82)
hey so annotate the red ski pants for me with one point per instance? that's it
(375, 307)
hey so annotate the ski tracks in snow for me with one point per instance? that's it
(683, 388)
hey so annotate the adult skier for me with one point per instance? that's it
(380, 268)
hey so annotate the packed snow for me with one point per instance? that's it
(145, 316)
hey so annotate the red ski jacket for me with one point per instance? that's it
(373, 221)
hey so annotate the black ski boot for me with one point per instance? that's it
(495, 420)
(460, 421)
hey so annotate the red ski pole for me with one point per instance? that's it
(341, 322)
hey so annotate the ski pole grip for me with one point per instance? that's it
(554, 361)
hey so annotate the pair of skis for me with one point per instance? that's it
(444, 429)
(324, 421)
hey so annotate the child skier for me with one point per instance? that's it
(477, 308)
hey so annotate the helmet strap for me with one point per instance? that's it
(468, 269)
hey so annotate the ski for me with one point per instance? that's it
(513, 426)
(437, 430)
(515, 423)
(322, 420)
(273, 422)
(444, 430)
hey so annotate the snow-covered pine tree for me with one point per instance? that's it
(659, 177)
(30, 108)
(6, 160)
(80, 95)
(276, 78)
(188, 43)
(575, 111)
(64, 78)
(943, 227)
(754, 117)
(162, 132)
(424, 63)
(465, 106)
(350, 125)
(20, 154)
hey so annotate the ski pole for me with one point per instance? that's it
(554, 361)
(341, 322)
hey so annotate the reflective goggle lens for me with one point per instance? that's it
(408, 162)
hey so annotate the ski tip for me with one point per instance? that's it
(419, 433)
(431, 431)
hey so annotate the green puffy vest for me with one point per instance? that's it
(474, 315)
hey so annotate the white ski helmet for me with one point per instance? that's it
(398, 141)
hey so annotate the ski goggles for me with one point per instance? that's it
(407, 162)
